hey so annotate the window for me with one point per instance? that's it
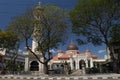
(116, 50)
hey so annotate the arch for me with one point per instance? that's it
(34, 66)
(81, 64)
(88, 63)
(62, 66)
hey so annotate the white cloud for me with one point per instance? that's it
(101, 51)
(19, 50)
(52, 50)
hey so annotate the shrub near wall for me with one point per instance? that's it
(92, 70)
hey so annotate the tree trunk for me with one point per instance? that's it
(46, 68)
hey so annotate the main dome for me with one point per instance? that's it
(72, 46)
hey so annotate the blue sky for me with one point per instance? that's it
(11, 8)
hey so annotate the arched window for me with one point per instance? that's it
(34, 66)
(74, 65)
(89, 63)
(81, 64)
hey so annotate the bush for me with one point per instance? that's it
(92, 70)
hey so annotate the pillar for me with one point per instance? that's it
(34, 45)
(26, 64)
(41, 66)
(77, 63)
(91, 62)
(71, 64)
(86, 63)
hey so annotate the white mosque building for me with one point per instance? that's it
(75, 59)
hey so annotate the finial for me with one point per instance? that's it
(71, 42)
(39, 3)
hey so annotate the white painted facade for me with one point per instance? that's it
(75, 59)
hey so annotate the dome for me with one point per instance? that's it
(87, 50)
(72, 46)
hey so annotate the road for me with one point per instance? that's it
(61, 77)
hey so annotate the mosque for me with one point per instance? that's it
(72, 57)
(75, 59)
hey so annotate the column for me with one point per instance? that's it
(26, 67)
(41, 66)
(50, 65)
(34, 45)
(77, 63)
(86, 63)
(91, 62)
(71, 64)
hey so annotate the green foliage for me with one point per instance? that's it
(22, 26)
(8, 40)
(92, 70)
(115, 34)
(50, 30)
(94, 19)
(51, 27)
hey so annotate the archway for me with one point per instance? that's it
(74, 65)
(34, 66)
(81, 64)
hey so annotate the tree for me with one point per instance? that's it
(115, 34)
(22, 26)
(115, 44)
(94, 19)
(50, 28)
(9, 41)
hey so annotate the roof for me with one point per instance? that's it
(64, 56)
(94, 56)
(67, 55)
(55, 58)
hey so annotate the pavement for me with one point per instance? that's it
(111, 76)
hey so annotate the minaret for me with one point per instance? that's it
(29, 58)
(37, 11)
(36, 35)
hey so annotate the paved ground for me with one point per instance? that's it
(61, 77)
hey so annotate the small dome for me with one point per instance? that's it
(60, 51)
(94, 56)
(88, 50)
(72, 46)
(88, 53)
